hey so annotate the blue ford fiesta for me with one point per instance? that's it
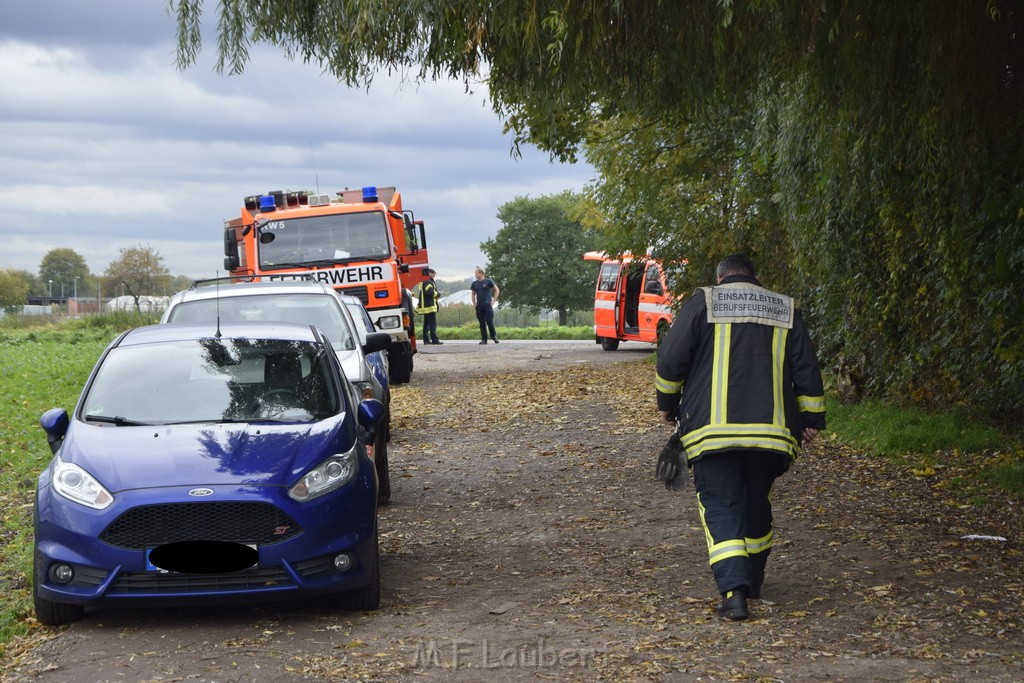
(209, 464)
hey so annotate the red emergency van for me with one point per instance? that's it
(632, 301)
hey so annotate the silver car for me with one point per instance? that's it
(311, 303)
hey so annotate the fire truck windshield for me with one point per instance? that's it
(324, 240)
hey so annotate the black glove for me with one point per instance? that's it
(671, 467)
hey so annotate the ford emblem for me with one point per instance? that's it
(200, 492)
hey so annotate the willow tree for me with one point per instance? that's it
(871, 149)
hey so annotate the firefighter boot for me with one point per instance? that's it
(734, 605)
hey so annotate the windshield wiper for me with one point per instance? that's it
(206, 420)
(117, 421)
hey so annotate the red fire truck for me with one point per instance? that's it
(361, 242)
(632, 301)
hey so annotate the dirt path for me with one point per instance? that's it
(527, 540)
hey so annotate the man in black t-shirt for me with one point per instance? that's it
(485, 294)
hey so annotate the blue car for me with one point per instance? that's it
(209, 463)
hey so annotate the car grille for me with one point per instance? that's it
(360, 292)
(159, 582)
(148, 526)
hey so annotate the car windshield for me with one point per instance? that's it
(362, 320)
(213, 380)
(321, 310)
(337, 238)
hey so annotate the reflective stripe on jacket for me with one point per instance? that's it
(740, 385)
(427, 297)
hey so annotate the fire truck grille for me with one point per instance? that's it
(148, 526)
(360, 292)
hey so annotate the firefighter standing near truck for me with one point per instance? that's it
(738, 374)
(428, 308)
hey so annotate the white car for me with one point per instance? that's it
(308, 302)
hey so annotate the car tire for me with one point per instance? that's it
(400, 363)
(366, 598)
(609, 344)
(50, 613)
(380, 462)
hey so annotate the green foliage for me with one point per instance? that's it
(139, 271)
(14, 289)
(537, 255)
(866, 153)
(58, 270)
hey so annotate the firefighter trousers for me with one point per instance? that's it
(734, 501)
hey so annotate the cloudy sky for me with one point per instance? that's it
(104, 144)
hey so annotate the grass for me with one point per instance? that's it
(924, 441)
(39, 370)
(472, 331)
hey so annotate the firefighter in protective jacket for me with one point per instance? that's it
(428, 308)
(738, 372)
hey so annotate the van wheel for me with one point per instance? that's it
(609, 344)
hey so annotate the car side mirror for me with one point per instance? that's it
(55, 423)
(376, 341)
(653, 287)
(370, 412)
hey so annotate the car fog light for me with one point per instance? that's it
(62, 573)
(343, 562)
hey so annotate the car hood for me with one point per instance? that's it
(124, 458)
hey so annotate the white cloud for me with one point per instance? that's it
(104, 144)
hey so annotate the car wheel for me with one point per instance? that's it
(609, 344)
(380, 461)
(366, 598)
(50, 613)
(400, 363)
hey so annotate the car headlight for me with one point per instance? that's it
(389, 322)
(365, 389)
(74, 483)
(332, 473)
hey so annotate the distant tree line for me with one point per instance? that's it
(63, 273)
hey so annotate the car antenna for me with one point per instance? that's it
(217, 285)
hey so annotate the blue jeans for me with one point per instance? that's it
(485, 316)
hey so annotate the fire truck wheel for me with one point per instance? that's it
(400, 363)
(609, 344)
